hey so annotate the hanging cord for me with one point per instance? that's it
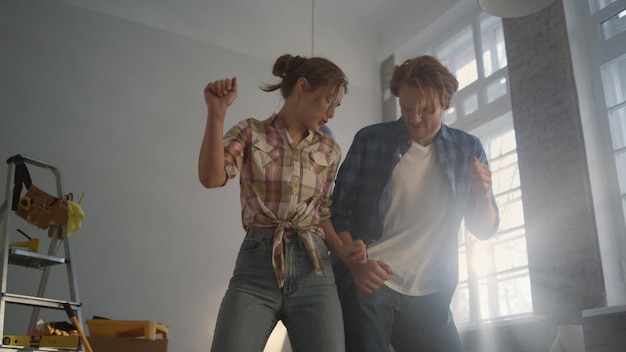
(312, 27)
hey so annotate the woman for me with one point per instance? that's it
(287, 168)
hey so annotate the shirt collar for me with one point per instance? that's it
(401, 133)
(280, 126)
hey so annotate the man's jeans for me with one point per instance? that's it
(374, 322)
(308, 304)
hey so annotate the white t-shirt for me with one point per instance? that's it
(411, 237)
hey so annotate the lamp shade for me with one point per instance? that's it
(512, 8)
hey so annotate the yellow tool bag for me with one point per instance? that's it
(42, 209)
(37, 206)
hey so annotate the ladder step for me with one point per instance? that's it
(37, 301)
(28, 259)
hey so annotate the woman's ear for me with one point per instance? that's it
(301, 84)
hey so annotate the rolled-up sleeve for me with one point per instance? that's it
(234, 145)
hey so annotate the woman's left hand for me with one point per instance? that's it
(355, 252)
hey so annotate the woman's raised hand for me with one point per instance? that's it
(220, 94)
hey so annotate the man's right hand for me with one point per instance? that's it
(368, 277)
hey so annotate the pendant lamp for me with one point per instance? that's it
(512, 8)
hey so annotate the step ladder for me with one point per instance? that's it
(26, 257)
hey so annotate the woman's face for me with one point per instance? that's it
(318, 106)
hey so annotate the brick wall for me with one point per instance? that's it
(564, 258)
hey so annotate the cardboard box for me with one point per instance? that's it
(126, 344)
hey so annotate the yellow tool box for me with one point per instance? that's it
(126, 328)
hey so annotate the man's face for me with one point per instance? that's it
(423, 120)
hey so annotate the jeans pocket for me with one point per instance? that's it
(252, 243)
(321, 246)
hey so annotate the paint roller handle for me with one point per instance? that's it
(74, 319)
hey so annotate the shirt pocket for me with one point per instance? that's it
(265, 155)
(316, 168)
(319, 162)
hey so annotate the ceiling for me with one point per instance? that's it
(388, 18)
(366, 29)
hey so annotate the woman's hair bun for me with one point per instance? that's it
(286, 63)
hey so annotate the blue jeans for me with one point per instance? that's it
(307, 304)
(374, 322)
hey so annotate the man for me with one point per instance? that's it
(404, 188)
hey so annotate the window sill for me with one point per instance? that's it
(590, 313)
(501, 323)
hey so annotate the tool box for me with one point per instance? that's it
(108, 335)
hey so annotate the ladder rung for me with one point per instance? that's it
(37, 301)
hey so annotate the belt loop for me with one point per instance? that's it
(300, 243)
(268, 237)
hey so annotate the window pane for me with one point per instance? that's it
(617, 119)
(510, 251)
(505, 179)
(514, 294)
(597, 5)
(449, 116)
(458, 55)
(500, 145)
(620, 160)
(467, 72)
(511, 214)
(462, 265)
(460, 304)
(494, 50)
(496, 90)
(485, 312)
(482, 258)
(470, 104)
(614, 25)
(614, 78)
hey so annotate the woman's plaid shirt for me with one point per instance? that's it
(282, 185)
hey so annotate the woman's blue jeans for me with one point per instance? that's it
(307, 304)
(375, 321)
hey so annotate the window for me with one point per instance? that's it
(483, 78)
(607, 20)
(614, 79)
(614, 25)
(597, 5)
(494, 280)
(494, 52)
(458, 55)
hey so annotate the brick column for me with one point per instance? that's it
(563, 250)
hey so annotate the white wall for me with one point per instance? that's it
(117, 106)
